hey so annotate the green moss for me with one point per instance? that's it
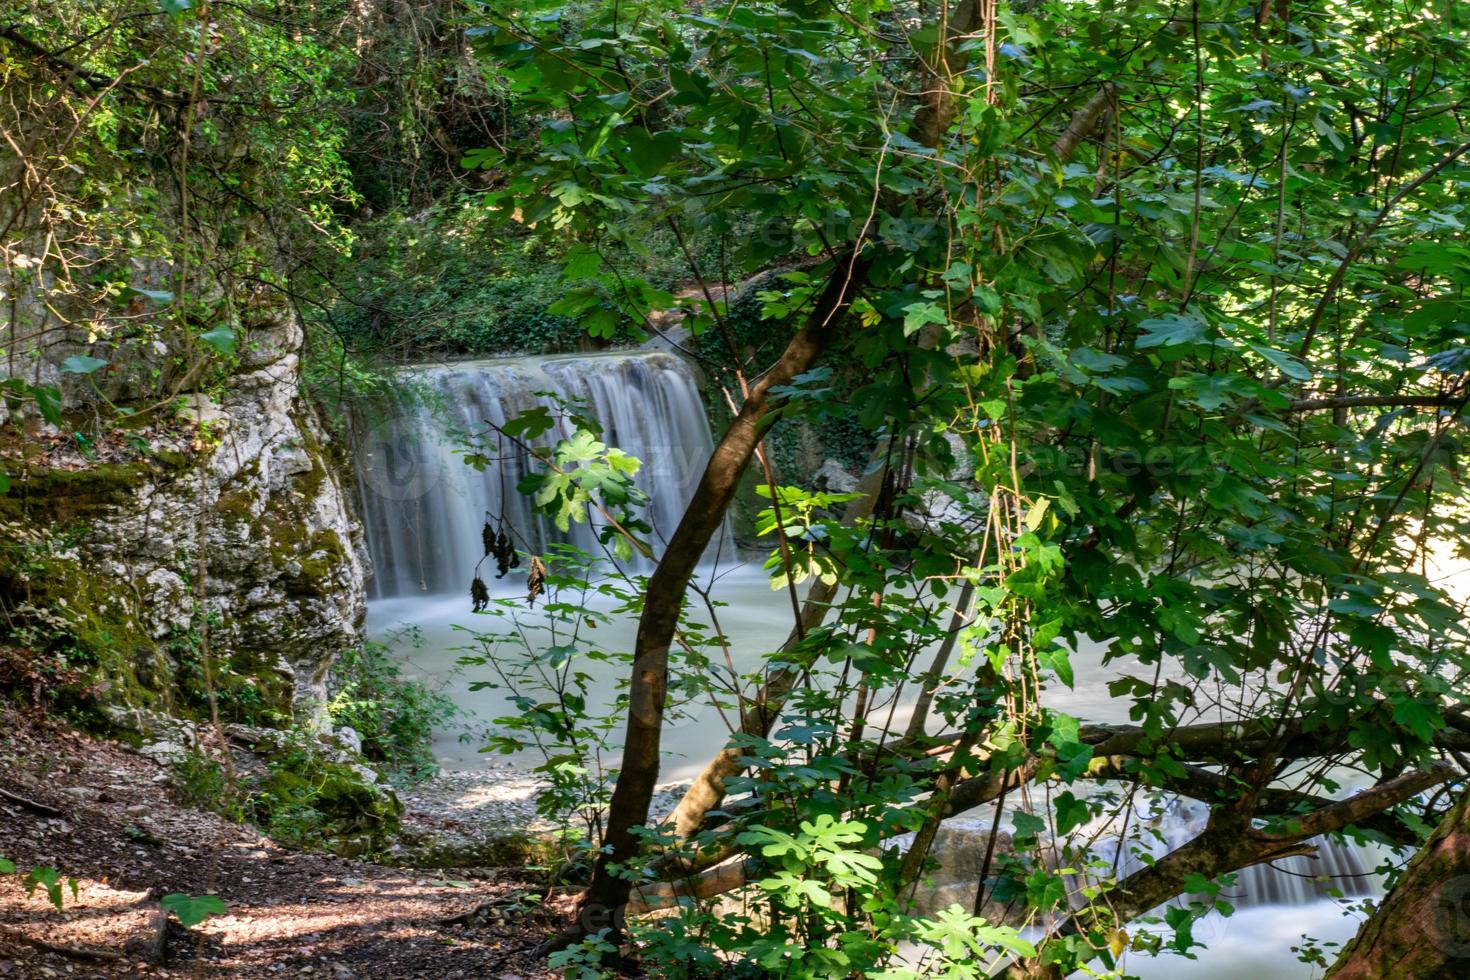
(328, 554)
(505, 849)
(88, 623)
(237, 506)
(85, 624)
(306, 799)
(309, 484)
(310, 561)
(171, 461)
(251, 689)
(57, 496)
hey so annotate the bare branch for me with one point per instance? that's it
(1377, 401)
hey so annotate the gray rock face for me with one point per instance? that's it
(831, 477)
(282, 572)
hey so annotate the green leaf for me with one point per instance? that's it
(1121, 386)
(580, 263)
(82, 364)
(645, 154)
(530, 424)
(918, 315)
(1056, 660)
(191, 910)
(1027, 825)
(1285, 363)
(1065, 729)
(1071, 812)
(479, 157)
(1170, 331)
(6, 867)
(958, 274)
(574, 302)
(988, 300)
(160, 296)
(222, 339)
(1419, 717)
(48, 400)
(600, 323)
(1097, 362)
(1209, 392)
(1324, 129)
(175, 7)
(47, 878)
(1197, 884)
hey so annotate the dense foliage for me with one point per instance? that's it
(1162, 311)
(394, 716)
(158, 166)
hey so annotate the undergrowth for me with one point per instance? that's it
(394, 715)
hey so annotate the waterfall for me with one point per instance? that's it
(423, 506)
(1339, 868)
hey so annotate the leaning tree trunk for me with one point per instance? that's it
(1422, 928)
(607, 894)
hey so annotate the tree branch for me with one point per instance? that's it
(1228, 843)
(1361, 243)
(1377, 401)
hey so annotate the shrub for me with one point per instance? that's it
(394, 716)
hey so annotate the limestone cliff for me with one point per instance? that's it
(99, 561)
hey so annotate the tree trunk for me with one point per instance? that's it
(707, 790)
(1422, 928)
(607, 894)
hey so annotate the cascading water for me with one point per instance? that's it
(1338, 869)
(1275, 906)
(423, 507)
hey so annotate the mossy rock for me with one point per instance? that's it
(90, 622)
(86, 620)
(101, 635)
(350, 803)
(499, 849)
(312, 797)
(56, 496)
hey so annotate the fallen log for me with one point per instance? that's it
(152, 946)
(1229, 843)
(718, 880)
(719, 867)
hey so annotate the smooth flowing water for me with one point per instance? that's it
(424, 508)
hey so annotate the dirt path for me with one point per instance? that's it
(109, 818)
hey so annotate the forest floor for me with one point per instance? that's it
(110, 818)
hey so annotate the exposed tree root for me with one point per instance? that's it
(44, 809)
(75, 952)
